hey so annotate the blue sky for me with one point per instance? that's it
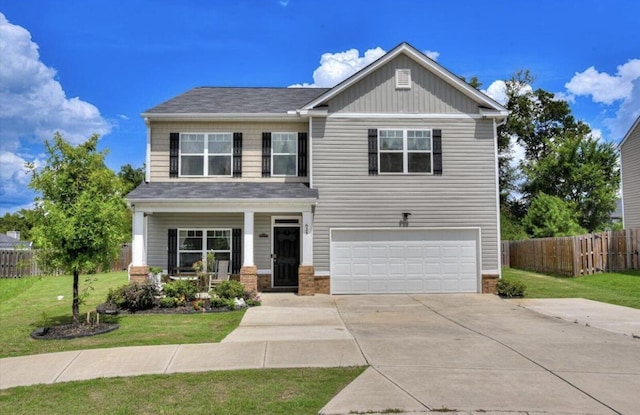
(80, 67)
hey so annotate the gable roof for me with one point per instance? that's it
(422, 59)
(233, 100)
(630, 132)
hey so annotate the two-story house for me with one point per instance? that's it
(385, 183)
(630, 176)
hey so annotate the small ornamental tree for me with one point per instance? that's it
(80, 210)
(551, 216)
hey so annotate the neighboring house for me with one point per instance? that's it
(11, 241)
(385, 183)
(630, 172)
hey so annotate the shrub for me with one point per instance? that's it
(168, 302)
(508, 288)
(252, 299)
(230, 290)
(217, 302)
(133, 296)
(184, 291)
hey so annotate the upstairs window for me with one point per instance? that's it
(405, 151)
(284, 154)
(206, 154)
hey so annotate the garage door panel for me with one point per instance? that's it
(404, 260)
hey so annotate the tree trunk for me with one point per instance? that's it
(75, 307)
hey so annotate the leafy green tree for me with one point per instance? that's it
(80, 210)
(583, 172)
(131, 177)
(551, 216)
(21, 221)
(511, 228)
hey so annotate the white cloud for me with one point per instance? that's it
(605, 88)
(563, 96)
(498, 91)
(432, 54)
(336, 67)
(33, 106)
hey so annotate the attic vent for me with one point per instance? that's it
(403, 78)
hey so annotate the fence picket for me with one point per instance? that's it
(577, 255)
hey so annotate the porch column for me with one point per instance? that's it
(138, 270)
(138, 256)
(306, 272)
(248, 239)
(248, 272)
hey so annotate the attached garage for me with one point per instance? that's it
(405, 260)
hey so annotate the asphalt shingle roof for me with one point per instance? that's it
(230, 100)
(221, 191)
(7, 242)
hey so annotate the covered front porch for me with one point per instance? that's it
(266, 236)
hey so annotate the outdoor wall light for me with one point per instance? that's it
(405, 215)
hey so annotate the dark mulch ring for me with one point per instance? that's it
(72, 331)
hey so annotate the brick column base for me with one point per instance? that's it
(139, 273)
(489, 282)
(249, 278)
(306, 280)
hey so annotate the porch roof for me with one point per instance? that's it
(219, 191)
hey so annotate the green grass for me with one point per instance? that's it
(28, 303)
(621, 288)
(265, 391)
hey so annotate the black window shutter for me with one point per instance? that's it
(302, 154)
(236, 248)
(237, 154)
(437, 152)
(174, 153)
(373, 152)
(266, 154)
(172, 251)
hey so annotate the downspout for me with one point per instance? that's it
(310, 152)
(497, 173)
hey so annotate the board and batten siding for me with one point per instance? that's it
(630, 162)
(251, 147)
(377, 93)
(464, 196)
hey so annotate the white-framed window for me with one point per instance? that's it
(193, 245)
(284, 154)
(206, 154)
(405, 151)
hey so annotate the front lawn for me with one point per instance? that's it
(265, 391)
(28, 303)
(621, 288)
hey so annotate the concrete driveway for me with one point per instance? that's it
(478, 353)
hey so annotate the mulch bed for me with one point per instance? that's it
(72, 331)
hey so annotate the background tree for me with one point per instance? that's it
(21, 221)
(551, 216)
(562, 159)
(79, 210)
(131, 177)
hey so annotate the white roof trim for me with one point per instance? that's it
(152, 116)
(222, 205)
(628, 134)
(425, 116)
(422, 59)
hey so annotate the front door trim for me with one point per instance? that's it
(283, 221)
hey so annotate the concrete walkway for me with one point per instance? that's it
(461, 353)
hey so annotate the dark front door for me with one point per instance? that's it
(286, 256)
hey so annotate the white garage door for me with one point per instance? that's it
(370, 261)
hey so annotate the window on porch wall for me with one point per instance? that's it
(193, 245)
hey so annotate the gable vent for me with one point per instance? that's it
(403, 78)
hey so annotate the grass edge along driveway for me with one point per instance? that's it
(619, 288)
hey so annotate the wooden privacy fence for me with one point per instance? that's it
(22, 263)
(576, 255)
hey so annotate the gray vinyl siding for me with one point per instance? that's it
(464, 196)
(251, 147)
(377, 93)
(159, 223)
(630, 161)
